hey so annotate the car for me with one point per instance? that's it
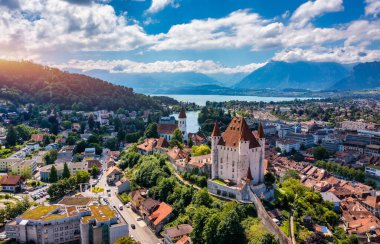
(139, 218)
(3, 237)
(109, 195)
(108, 190)
(121, 206)
(132, 237)
(133, 226)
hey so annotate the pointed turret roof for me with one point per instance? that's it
(216, 130)
(236, 132)
(182, 113)
(260, 131)
(249, 174)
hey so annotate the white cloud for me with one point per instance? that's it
(345, 55)
(372, 7)
(128, 66)
(40, 26)
(158, 5)
(312, 9)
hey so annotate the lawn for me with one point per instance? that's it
(219, 181)
(124, 197)
(97, 189)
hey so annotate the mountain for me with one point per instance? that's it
(23, 82)
(199, 90)
(363, 76)
(151, 83)
(304, 75)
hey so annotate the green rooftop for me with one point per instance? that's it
(39, 212)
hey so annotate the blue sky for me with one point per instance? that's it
(207, 36)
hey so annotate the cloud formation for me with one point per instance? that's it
(372, 7)
(158, 5)
(128, 66)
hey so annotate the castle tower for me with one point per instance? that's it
(182, 123)
(215, 137)
(261, 140)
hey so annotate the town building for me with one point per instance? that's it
(288, 145)
(174, 234)
(6, 163)
(20, 165)
(96, 224)
(167, 128)
(113, 175)
(151, 145)
(11, 183)
(307, 140)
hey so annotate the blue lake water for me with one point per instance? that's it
(202, 99)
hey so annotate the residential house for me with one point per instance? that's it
(151, 145)
(45, 171)
(123, 185)
(37, 137)
(174, 234)
(11, 183)
(6, 163)
(287, 145)
(179, 158)
(113, 175)
(159, 217)
(329, 196)
(201, 163)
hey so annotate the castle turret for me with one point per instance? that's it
(215, 137)
(261, 140)
(182, 123)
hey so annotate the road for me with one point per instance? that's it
(141, 233)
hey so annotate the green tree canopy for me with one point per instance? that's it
(11, 138)
(66, 171)
(151, 131)
(53, 175)
(177, 138)
(200, 150)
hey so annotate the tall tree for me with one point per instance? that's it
(66, 171)
(26, 172)
(177, 138)
(151, 131)
(95, 171)
(11, 138)
(53, 175)
(91, 122)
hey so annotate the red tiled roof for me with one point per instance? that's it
(184, 240)
(37, 137)
(166, 128)
(11, 180)
(182, 113)
(216, 130)
(162, 212)
(236, 132)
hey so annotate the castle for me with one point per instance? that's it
(237, 160)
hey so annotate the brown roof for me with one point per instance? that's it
(150, 203)
(113, 170)
(37, 137)
(260, 131)
(166, 128)
(11, 180)
(178, 230)
(162, 143)
(162, 212)
(177, 153)
(151, 143)
(184, 240)
(236, 132)
(182, 113)
(94, 162)
(372, 201)
(216, 130)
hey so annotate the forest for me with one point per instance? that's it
(27, 82)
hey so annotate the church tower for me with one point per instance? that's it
(182, 123)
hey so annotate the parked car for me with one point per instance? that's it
(139, 218)
(133, 226)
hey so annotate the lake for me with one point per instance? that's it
(202, 99)
(192, 121)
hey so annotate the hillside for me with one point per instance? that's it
(28, 82)
(363, 76)
(304, 75)
(151, 83)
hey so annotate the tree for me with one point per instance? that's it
(151, 131)
(210, 228)
(121, 134)
(50, 156)
(26, 172)
(269, 180)
(91, 122)
(230, 229)
(320, 153)
(190, 143)
(53, 127)
(66, 171)
(53, 175)
(46, 140)
(11, 138)
(291, 173)
(95, 171)
(269, 238)
(200, 150)
(82, 176)
(177, 138)
(126, 240)
(202, 198)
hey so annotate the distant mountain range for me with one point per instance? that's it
(305, 75)
(274, 75)
(363, 76)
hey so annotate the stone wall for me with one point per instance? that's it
(267, 220)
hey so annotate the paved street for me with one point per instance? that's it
(142, 233)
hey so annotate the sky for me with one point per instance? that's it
(206, 36)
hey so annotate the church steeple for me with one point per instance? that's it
(182, 113)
